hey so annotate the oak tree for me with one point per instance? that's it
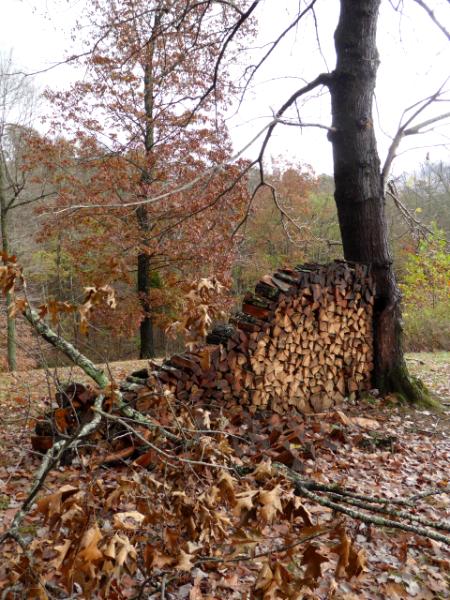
(143, 127)
(360, 179)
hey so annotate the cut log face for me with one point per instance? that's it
(303, 340)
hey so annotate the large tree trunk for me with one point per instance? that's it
(10, 321)
(359, 192)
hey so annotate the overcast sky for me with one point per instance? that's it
(414, 63)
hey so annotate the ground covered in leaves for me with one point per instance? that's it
(210, 512)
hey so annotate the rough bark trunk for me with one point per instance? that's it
(10, 321)
(147, 346)
(359, 192)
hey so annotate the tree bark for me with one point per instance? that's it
(10, 321)
(147, 346)
(359, 192)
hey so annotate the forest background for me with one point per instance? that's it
(151, 257)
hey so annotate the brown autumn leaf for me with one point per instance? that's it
(264, 470)
(121, 550)
(226, 485)
(205, 356)
(244, 502)
(271, 503)
(17, 307)
(186, 561)
(357, 562)
(350, 561)
(265, 577)
(365, 423)
(343, 552)
(9, 273)
(54, 308)
(90, 552)
(51, 505)
(313, 561)
(129, 520)
(62, 550)
(155, 559)
(341, 417)
(95, 296)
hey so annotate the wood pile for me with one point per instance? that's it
(302, 340)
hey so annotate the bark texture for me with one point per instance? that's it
(359, 192)
(146, 346)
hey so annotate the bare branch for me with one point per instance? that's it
(299, 123)
(406, 128)
(324, 79)
(432, 16)
(413, 223)
(274, 45)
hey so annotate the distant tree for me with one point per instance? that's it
(17, 186)
(142, 129)
(426, 193)
(281, 226)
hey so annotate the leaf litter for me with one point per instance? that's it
(226, 523)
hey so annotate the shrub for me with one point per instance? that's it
(426, 295)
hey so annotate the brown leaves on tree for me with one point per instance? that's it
(201, 305)
(10, 271)
(55, 308)
(95, 297)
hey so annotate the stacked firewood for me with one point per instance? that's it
(303, 339)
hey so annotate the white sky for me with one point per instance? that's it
(414, 63)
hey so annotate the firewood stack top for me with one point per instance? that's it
(302, 340)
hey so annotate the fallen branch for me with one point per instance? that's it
(65, 347)
(49, 461)
(369, 519)
(400, 514)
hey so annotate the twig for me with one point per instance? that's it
(171, 457)
(433, 18)
(246, 557)
(163, 587)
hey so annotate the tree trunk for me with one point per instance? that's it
(10, 321)
(146, 348)
(359, 192)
